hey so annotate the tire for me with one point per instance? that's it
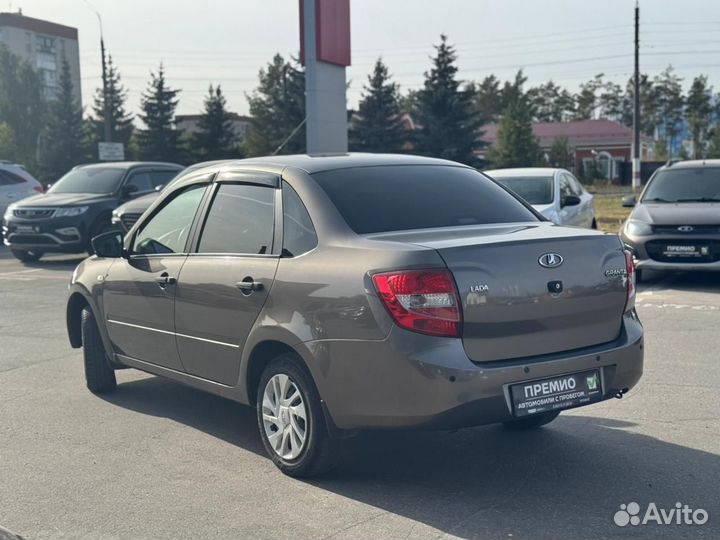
(317, 453)
(531, 422)
(638, 276)
(594, 224)
(99, 375)
(26, 256)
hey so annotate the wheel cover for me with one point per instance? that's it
(284, 416)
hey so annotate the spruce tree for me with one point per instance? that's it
(378, 126)
(670, 103)
(159, 140)
(215, 137)
(64, 137)
(277, 107)
(488, 99)
(121, 122)
(516, 145)
(448, 126)
(561, 154)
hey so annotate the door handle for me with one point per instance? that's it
(165, 279)
(248, 285)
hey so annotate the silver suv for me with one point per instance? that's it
(336, 294)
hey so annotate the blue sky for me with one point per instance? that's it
(227, 41)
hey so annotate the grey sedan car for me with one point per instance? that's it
(342, 293)
(675, 225)
(555, 193)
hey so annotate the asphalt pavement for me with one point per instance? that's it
(160, 460)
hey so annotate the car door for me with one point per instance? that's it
(569, 215)
(12, 189)
(586, 213)
(139, 290)
(225, 281)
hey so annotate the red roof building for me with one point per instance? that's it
(606, 142)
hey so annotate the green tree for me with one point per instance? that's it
(698, 110)
(21, 104)
(378, 126)
(610, 101)
(713, 148)
(562, 154)
(64, 137)
(121, 121)
(487, 99)
(215, 137)
(550, 102)
(670, 104)
(661, 149)
(448, 127)
(277, 107)
(516, 145)
(586, 101)
(8, 146)
(159, 140)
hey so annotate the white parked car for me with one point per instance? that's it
(555, 193)
(15, 184)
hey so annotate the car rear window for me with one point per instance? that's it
(397, 198)
(534, 189)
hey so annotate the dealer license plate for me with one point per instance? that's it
(563, 392)
(682, 251)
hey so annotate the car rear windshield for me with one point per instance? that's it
(89, 180)
(534, 189)
(700, 184)
(397, 198)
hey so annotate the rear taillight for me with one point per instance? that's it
(424, 301)
(39, 189)
(630, 266)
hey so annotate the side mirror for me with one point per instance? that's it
(569, 200)
(628, 201)
(128, 190)
(109, 244)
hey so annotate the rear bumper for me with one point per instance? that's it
(410, 380)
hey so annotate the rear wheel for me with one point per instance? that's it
(291, 422)
(99, 375)
(532, 422)
(26, 256)
(638, 275)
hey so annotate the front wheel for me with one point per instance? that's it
(26, 256)
(291, 421)
(99, 374)
(532, 422)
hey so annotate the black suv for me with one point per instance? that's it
(78, 207)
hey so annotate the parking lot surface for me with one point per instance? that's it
(159, 460)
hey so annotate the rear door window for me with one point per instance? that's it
(241, 220)
(396, 198)
(298, 232)
(141, 180)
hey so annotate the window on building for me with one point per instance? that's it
(44, 44)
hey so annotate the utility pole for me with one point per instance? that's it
(106, 105)
(636, 180)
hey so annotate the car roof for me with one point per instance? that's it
(128, 165)
(524, 171)
(693, 164)
(326, 162)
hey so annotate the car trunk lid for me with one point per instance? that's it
(515, 307)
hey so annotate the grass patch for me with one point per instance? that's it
(610, 213)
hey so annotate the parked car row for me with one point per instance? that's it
(78, 207)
